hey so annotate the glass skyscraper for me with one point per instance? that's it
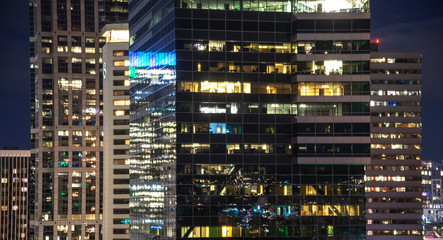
(249, 119)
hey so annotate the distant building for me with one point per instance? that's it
(393, 179)
(14, 169)
(66, 197)
(116, 132)
(432, 198)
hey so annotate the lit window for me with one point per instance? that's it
(119, 63)
(219, 128)
(76, 49)
(89, 50)
(119, 113)
(121, 102)
(4, 180)
(63, 133)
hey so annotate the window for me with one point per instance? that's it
(125, 83)
(121, 102)
(121, 92)
(121, 171)
(62, 42)
(47, 66)
(121, 63)
(120, 113)
(120, 53)
(90, 45)
(118, 73)
(121, 201)
(121, 122)
(121, 131)
(76, 44)
(62, 64)
(121, 161)
(46, 45)
(76, 65)
(218, 128)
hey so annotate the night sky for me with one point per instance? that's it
(401, 25)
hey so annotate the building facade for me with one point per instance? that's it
(249, 119)
(14, 170)
(432, 199)
(393, 179)
(116, 132)
(66, 118)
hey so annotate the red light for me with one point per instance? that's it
(377, 41)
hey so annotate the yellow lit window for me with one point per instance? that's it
(119, 113)
(226, 231)
(63, 133)
(127, 73)
(62, 49)
(121, 102)
(127, 83)
(119, 53)
(76, 49)
(119, 63)
(4, 180)
(89, 50)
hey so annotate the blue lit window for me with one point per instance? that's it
(217, 128)
(394, 104)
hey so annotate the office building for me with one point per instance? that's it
(393, 179)
(249, 119)
(432, 199)
(116, 132)
(66, 117)
(14, 167)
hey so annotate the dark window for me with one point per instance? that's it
(121, 171)
(120, 230)
(119, 141)
(76, 41)
(361, 25)
(121, 211)
(89, 16)
(121, 190)
(305, 25)
(119, 73)
(46, 15)
(119, 82)
(62, 16)
(75, 15)
(47, 66)
(77, 67)
(121, 122)
(121, 151)
(121, 181)
(324, 25)
(121, 200)
(47, 84)
(250, 26)
(62, 64)
(121, 131)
